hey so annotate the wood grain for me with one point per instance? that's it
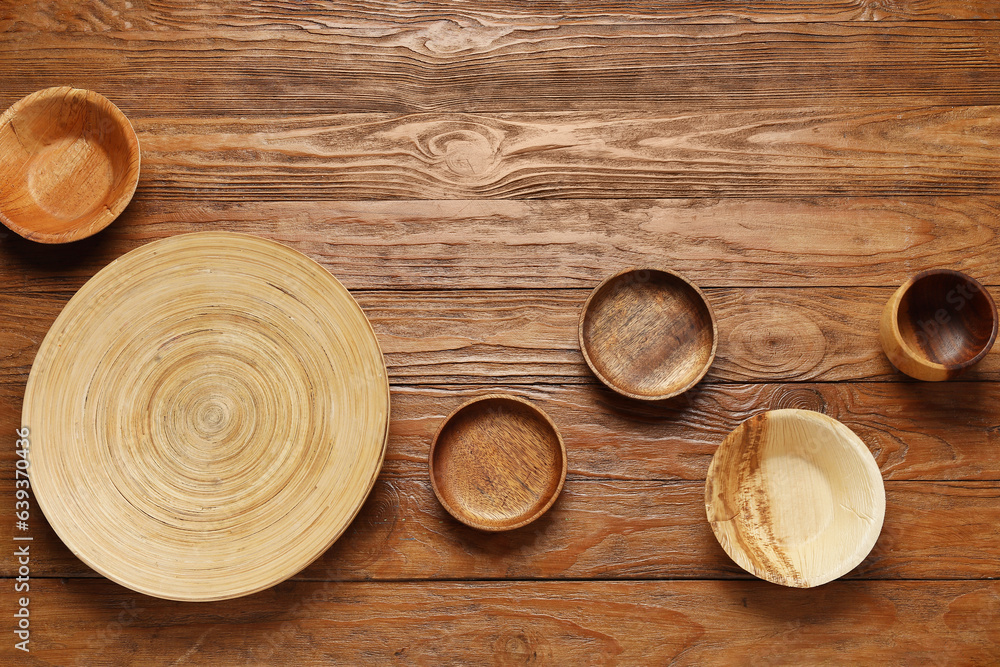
(83, 622)
(604, 530)
(916, 431)
(805, 151)
(444, 66)
(530, 336)
(117, 15)
(764, 335)
(423, 245)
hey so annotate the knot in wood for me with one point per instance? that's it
(448, 37)
(799, 398)
(467, 151)
(783, 343)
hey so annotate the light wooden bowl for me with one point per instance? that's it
(497, 463)
(938, 324)
(648, 334)
(207, 415)
(70, 164)
(795, 497)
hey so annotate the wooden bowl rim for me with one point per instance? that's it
(620, 389)
(916, 354)
(516, 521)
(872, 479)
(384, 390)
(106, 215)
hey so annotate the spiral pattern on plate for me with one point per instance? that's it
(208, 414)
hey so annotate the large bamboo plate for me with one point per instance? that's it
(795, 497)
(208, 414)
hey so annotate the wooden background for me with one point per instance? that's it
(470, 170)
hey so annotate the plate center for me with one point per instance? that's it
(212, 416)
(798, 497)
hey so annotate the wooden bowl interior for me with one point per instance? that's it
(71, 163)
(648, 334)
(497, 463)
(795, 497)
(947, 318)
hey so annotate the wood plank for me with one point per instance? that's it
(565, 623)
(766, 335)
(566, 244)
(609, 529)
(918, 431)
(71, 16)
(763, 153)
(444, 66)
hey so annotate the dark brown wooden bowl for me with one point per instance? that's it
(69, 166)
(648, 334)
(497, 463)
(938, 324)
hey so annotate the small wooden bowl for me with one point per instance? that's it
(497, 463)
(648, 334)
(70, 164)
(795, 497)
(937, 324)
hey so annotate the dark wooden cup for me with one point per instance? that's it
(938, 324)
